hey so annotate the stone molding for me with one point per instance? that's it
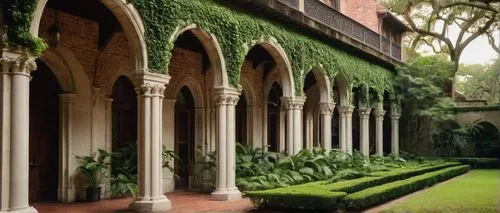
(293, 103)
(326, 108)
(379, 114)
(346, 111)
(364, 113)
(17, 62)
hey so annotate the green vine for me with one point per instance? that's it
(18, 15)
(236, 29)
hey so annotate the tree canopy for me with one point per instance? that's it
(433, 20)
(480, 82)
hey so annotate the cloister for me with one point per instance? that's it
(93, 89)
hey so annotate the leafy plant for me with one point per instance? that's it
(94, 168)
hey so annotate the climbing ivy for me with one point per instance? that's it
(236, 29)
(18, 15)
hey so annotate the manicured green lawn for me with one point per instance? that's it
(478, 191)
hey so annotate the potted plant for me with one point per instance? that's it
(95, 169)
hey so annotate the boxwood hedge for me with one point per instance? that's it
(386, 192)
(324, 196)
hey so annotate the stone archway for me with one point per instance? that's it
(44, 136)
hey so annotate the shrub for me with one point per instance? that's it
(297, 198)
(386, 192)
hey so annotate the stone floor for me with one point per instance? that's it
(187, 202)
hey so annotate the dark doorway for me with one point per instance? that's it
(124, 114)
(387, 123)
(486, 140)
(44, 135)
(241, 120)
(184, 138)
(273, 116)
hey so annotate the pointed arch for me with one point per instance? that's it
(130, 21)
(283, 64)
(344, 89)
(213, 50)
(323, 84)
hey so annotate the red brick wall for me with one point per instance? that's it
(363, 11)
(81, 36)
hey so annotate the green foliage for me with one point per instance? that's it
(386, 192)
(449, 140)
(297, 198)
(94, 168)
(237, 31)
(480, 82)
(124, 169)
(322, 195)
(18, 15)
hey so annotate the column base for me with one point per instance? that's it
(160, 204)
(25, 210)
(226, 194)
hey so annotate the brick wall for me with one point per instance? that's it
(81, 36)
(363, 11)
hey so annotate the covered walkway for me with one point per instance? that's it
(181, 202)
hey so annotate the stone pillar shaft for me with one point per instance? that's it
(326, 111)
(395, 115)
(16, 69)
(65, 189)
(294, 108)
(226, 100)
(346, 128)
(379, 141)
(149, 97)
(364, 116)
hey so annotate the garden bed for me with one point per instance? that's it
(322, 195)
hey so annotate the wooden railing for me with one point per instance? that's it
(332, 18)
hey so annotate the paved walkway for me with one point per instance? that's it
(187, 202)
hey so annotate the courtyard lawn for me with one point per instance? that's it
(478, 191)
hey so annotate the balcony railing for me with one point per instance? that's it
(332, 18)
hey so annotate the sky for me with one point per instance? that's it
(478, 52)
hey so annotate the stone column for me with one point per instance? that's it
(346, 127)
(379, 142)
(226, 100)
(326, 111)
(364, 133)
(294, 123)
(65, 189)
(149, 98)
(264, 126)
(16, 69)
(395, 115)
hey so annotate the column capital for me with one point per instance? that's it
(395, 116)
(364, 112)
(108, 103)
(226, 99)
(346, 110)
(17, 61)
(379, 114)
(293, 102)
(326, 108)
(150, 89)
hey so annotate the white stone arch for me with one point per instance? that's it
(249, 90)
(323, 84)
(213, 50)
(270, 80)
(344, 89)
(129, 19)
(194, 87)
(108, 89)
(284, 68)
(68, 70)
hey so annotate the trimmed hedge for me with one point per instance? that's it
(324, 196)
(297, 198)
(474, 162)
(386, 192)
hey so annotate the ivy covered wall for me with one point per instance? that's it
(235, 30)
